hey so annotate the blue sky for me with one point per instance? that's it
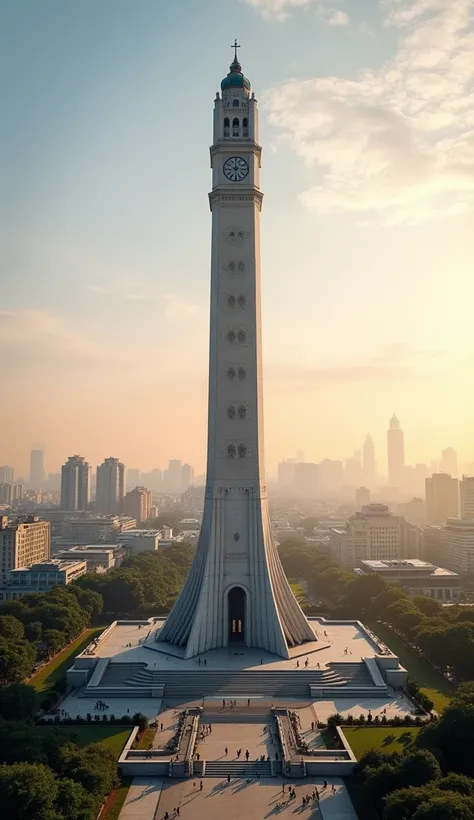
(367, 243)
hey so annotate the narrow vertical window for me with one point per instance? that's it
(226, 127)
(245, 127)
(235, 127)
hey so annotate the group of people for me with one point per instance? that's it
(306, 664)
(100, 706)
(199, 662)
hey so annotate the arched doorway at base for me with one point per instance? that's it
(237, 605)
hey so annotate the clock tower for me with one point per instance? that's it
(236, 592)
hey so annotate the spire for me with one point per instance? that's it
(235, 65)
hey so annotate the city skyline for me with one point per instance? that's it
(89, 160)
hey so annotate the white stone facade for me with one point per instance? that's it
(236, 589)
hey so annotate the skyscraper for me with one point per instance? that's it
(187, 476)
(75, 475)
(137, 504)
(368, 461)
(236, 591)
(442, 498)
(396, 454)
(110, 486)
(6, 474)
(466, 492)
(37, 477)
(449, 462)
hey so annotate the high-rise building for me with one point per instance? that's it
(331, 474)
(22, 544)
(132, 478)
(236, 591)
(434, 540)
(466, 497)
(370, 535)
(396, 454)
(449, 462)
(187, 476)
(75, 484)
(173, 475)
(110, 486)
(414, 511)
(6, 474)
(442, 498)
(137, 504)
(307, 478)
(362, 497)
(37, 476)
(460, 545)
(286, 475)
(11, 493)
(368, 461)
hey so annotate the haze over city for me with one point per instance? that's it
(366, 120)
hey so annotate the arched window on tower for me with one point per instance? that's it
(235, 103)
(226, 127)
(245, 127)
(235, 127)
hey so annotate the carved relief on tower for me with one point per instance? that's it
(237, 373)
(235, 236)
(235, 268)
(235, 301)
(237, 411)
(236, 336)
(237, 451)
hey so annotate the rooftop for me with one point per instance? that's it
(54, 565)
(406, 565)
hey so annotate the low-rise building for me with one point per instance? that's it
(96, 529)
(417, 577)
(99, 558)
(41, 577)
(136, 541)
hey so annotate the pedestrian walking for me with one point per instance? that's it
(248, 701)
(194, 785)
(228, 778)
(247, 755)
(325, 784)
(223, 703)
(226, 750)
(312, 725)
(177, 810)
(201, 786)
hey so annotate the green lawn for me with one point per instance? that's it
(109, 737)
(432, 683)
(57, 668)
(388, 739)
(116, 800)
(145, 739)
(298, 592)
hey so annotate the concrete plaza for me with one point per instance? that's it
(151, 799)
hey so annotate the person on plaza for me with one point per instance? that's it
(247, 755)
(248, 701)
(201, 786)
(228, 778)
(226, 751)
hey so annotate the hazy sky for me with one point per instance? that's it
(367, 127)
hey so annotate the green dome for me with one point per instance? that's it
(235, 78)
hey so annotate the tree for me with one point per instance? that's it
(457, 783)
(402, 803)
(389, 596)
(88, 600)
(363, 590)
(418, 769)
(93, 767)
(449, 806)
(380, 782)
(33, 631)
(17, 702)
(73, 802)
(54, 640)
(428, 606)
(28, 791)
(11, 628)
(16, 660)
(452, 736)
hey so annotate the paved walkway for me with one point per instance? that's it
(142, 799)
(151, 798)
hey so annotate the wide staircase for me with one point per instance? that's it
(237, 768)
(125, 679)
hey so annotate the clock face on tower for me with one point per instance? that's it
(235, 169)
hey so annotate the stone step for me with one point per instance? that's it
(237, 768)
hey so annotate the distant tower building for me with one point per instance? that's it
(362, 497)
(110, 487)
(173, 474)
(137, 504)
(396, 454)
(187, 476)
(466, 491)
(22, 544)
(449, 462)
(368, 461)
(75, 482)
(286, 475)
(132, 478)
(442, 501)
(37, 475)
(6, 474)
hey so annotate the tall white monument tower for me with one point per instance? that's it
(236, 591)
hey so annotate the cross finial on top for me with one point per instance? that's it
(235, 46)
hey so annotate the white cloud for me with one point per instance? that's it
(399, 141)
(336, 17)
(178, 309)
(279, 9)
(40, 339)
